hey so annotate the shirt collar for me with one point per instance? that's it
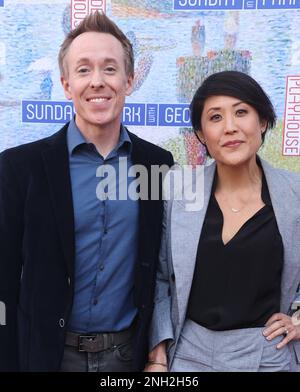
(75, 138)
(265, 195)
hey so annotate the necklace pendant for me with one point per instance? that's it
(235, 210)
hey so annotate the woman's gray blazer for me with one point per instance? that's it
(181, 233)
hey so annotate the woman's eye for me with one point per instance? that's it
(215, 117)
(241, 112)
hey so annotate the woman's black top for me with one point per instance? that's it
(237, 285)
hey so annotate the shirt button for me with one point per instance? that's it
(61, 322)
(101, 268)
(95, 301)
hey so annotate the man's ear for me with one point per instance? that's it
(129, 84)
(66, 87)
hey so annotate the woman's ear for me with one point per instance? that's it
(264, 126)
(200, 136)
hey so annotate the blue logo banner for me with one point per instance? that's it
(208, 4)
(47, 111)
(176, 115)
(152, 114)
(140, 114)
(134, 114)
(234, 4)
(277, 4)
(249, 4)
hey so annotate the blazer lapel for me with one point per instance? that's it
(56, 164)
(148, 208)
(286, 208)
(186, 227)
(140, 157)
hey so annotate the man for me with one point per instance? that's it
(77, 269)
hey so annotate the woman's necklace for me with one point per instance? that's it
(256, 189)
(235, 210)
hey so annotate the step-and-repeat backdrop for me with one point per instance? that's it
(177, 43)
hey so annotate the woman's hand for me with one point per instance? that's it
(156, 367)
(281, 324)
(157, 361)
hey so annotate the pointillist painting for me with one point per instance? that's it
(175, 50)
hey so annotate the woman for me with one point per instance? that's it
(229, 272)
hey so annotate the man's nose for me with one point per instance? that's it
(97, 80)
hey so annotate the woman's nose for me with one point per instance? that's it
(230, 125)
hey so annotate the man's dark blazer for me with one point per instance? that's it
(37, 252)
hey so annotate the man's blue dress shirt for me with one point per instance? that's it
(106, 238)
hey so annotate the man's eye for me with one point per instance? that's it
(83, 70)
(241, 112)
(110, 69)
